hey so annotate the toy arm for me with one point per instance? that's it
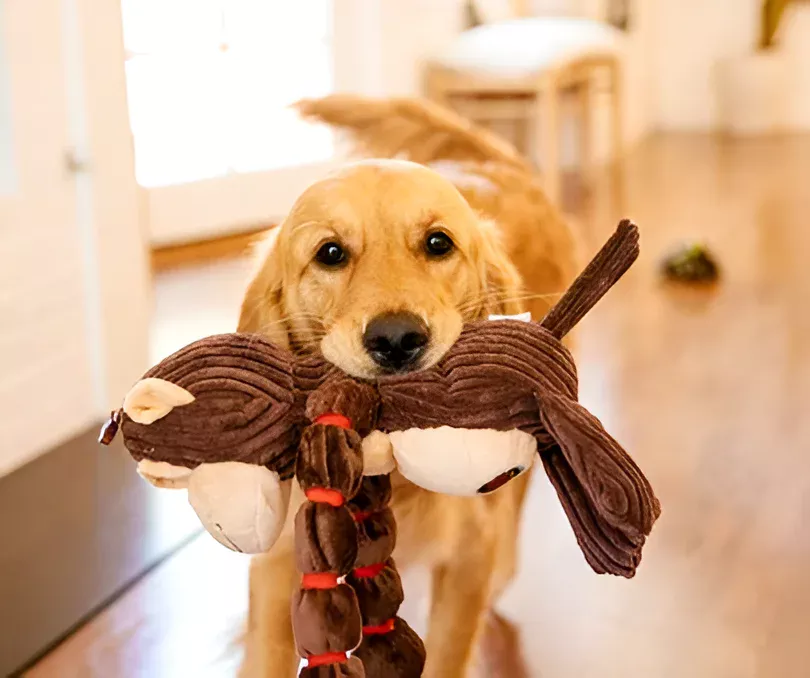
(242, 505)
(607, 499)
(610, 263)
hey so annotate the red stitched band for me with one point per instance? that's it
(360, 516)
(327, 658)
(382, 629)
(319, 580)
(333, 419)
(369, 571)
(325, 495)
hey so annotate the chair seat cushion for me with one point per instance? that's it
(524, 47)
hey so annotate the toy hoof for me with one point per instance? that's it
(460, 461)
(163, 474)
(243, 506)
(378, 455)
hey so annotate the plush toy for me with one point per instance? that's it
(234, 418)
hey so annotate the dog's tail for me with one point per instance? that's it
(409, 128)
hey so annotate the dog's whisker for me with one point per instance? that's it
(295, 317)
(511, 296)
(489, 296)
(500, 293)
(476, 304)
(311, 338)
(274, 324)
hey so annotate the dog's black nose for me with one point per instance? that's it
(396, 340)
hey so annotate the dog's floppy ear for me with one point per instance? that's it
(263, 305)
(608, 500)
(502, 282)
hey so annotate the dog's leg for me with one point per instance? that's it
(480, 563)
(461, 591)
(270, 647)
(501, 652)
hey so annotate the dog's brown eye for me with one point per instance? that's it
(438, 244)
(331, 254)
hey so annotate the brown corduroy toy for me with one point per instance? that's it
(234, 418)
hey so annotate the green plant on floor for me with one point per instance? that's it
(772, 13)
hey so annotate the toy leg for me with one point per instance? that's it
(270, 647)
(509, 510)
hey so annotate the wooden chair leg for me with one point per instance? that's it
(617, 108)
(434, 87)
(521, 135)
(549, 125)
(584, 103)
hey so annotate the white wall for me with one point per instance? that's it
(692, 36)
(46, 392)
(115, 224)
(410, 32)
(6, 149)
(73, 269)
(795, 39)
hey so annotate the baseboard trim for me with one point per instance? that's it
(167, 257)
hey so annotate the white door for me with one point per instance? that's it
(73, 269)
(216, 146)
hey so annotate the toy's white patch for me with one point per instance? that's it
(152, 398)
(243, 506)
(163, 474)
(523, 317)
(460, 461)
(378, 455)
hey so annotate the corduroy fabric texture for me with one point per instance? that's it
(256, 403)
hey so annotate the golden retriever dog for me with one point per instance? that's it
(378, 266)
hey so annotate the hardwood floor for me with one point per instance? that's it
(709, 390)
(183, 619)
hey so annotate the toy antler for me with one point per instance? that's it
(611, 510)
(610, 263)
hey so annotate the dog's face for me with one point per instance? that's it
(379, 265)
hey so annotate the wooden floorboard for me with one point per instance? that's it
(198, 633)
(79, 526)
(709, 390)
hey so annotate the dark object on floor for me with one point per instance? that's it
(691, 263)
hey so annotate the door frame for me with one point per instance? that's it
(85, 523)
(115, 221)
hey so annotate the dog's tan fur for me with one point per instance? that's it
(485, 197)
